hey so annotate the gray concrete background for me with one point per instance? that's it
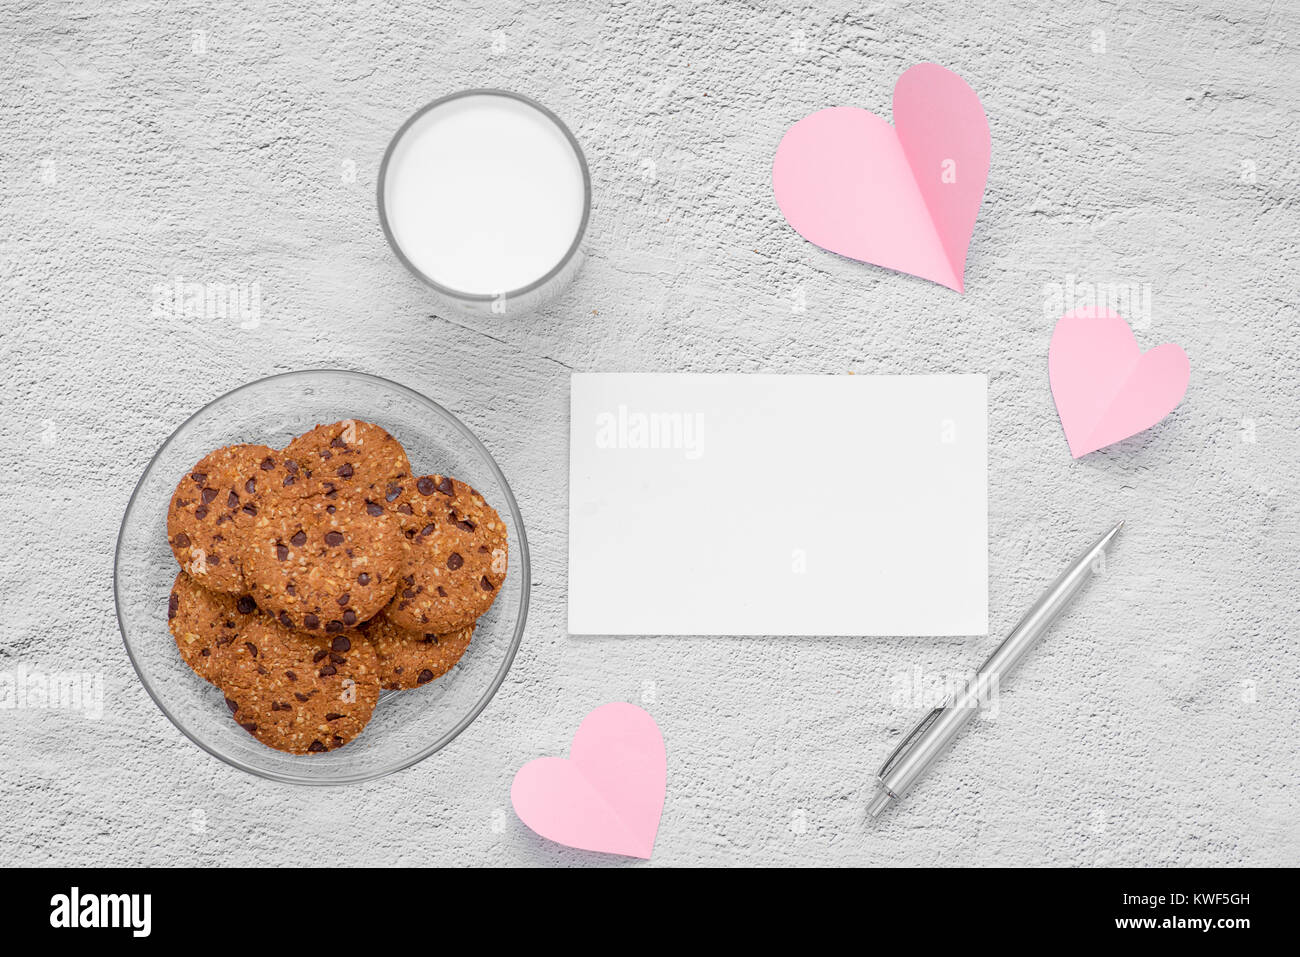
(1151, 143)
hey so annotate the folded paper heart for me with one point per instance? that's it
(609, 794)
(1105, 387)
(904, 196)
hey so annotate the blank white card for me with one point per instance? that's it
(778, 505)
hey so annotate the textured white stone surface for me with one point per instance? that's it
(1153, 144)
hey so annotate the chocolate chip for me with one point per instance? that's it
(232, 704)
(250, 509)
(310, 621)
(290, 466)
(232, 500)
(442, 592)
(408, 592)
(485, 584)
(268, 463)
(251, 486)
(301, 697)
(282, 552)
(319, 655)
(333, 626)
(315, 747)
(213, 559)
(409, 579)
(338, 740)
(392, 493)
(445, 486)
(205, 652)
(291, 676)
(173, 603)
(465, 525)
(201, 512)
(199, 477)
(338, 443)
(291, 588)
(207, 495)
(333, 716)
(330, 509)
(341, 643)
(287, 482)
(181, 541)
(337, 658)
(426, 486)
(333, 538)
(343, 600)
(405, 508)
(252, 648)
(299, 538)
(363, 579)
(427, 530)
(374, 509)
(246, 605)
(349, 617)
(286, 620)
(250, 727)
(424, 677)
(454, 561)
(344, 471)
(328, 670)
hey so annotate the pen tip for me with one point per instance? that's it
(878, 805)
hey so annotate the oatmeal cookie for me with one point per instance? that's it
(324, 563)
(212, 508)
(408, 659)
(344, 457)
(205, 623)
(297, 692)
(455, 560)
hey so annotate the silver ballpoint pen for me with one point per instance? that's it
(936, 730)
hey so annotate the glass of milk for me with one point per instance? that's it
(485, 196)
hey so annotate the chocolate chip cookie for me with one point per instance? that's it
(344, 457)
(409, 659)
(455, 559)
(324, 563)
(206, 623)
(212, 508)
(300, 693)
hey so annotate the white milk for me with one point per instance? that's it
(484, 194)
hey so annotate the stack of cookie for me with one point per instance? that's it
(314, 576)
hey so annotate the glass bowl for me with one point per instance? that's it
(407, 726)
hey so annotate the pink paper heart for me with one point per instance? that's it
(609, 794)
(1105, 387)
(904, 196)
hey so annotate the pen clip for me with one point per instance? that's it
(926, 720)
